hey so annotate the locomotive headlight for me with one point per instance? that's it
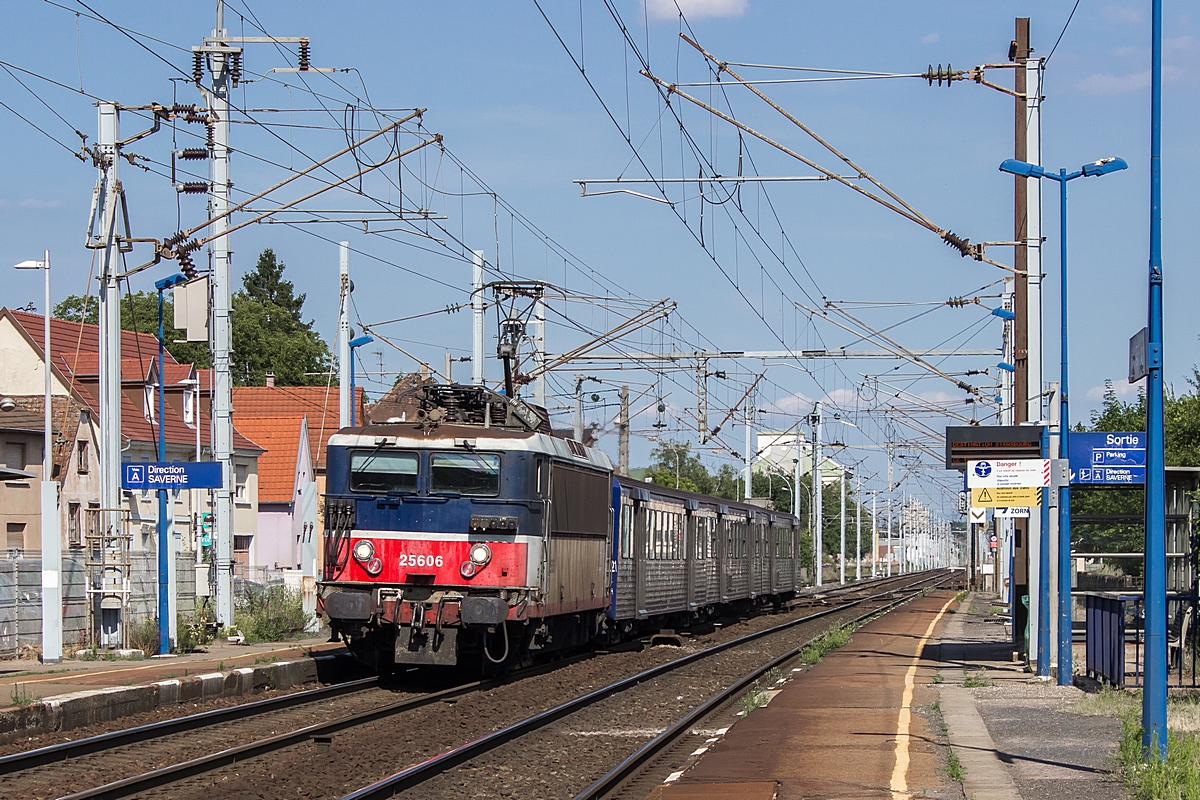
(481, 554)
(364, 551)
(468, 569)
(374, 566)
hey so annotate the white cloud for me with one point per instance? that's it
(696, 9)
(1121, 14)
(1124, 390)
(35, 203)
(1114, 84)
(931, 38)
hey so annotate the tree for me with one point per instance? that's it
(139, 312)
(269, 331)
(674, 465)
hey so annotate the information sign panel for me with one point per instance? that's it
(1005, 497)
(972, 442)
(1012, 511)
(171, 475)
(1009, 473)
(1111, 459)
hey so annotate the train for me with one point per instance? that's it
(462, 532)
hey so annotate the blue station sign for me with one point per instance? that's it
(171, 475)
(1108, 459)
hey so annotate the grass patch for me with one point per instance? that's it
(144, 636)
(266, 659)
(954, 769)
(20, 696)
(976, 680)
(1151, 779)
(272, 614)
(95, 654)
(826, 642)
(755, 698)
(960, 596)
(937, 677)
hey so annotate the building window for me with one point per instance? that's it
(16, 535)
(73, 530)
(189, 417)
(242, 543)
(81, 453)
(14, 455)
(93, 520)
(239, 471)
(150, 402)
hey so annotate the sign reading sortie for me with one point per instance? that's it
(171, 475)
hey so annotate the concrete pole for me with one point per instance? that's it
(51, 544)
(539, 355)
(748, 475)
(222, 289)
(623, 434)
(842, 560)
(577, 419)
(796, 479)
(874, 539)
(858, 529)
(818, 522)
(891, 547)
(343, 344)
(477, 319)
(108, 208)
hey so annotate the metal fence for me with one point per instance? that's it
(1115, 643)
(21, 598)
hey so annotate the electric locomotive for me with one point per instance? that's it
(463, 532)
(468, 534)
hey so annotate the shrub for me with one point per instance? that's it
(271, 614)
(144, 636)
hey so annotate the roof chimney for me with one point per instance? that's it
(270, 379)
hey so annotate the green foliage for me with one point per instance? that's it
(139, 312)
(269, 331)
(20, 696)
(755, 698)
(954, 769)
(144, 636)
(674, 465)
(830, 640)
(976, 680)
(1150, 779)
(194, 633)
(271, 614)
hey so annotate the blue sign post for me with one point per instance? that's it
(171, 475)
(1108, 459)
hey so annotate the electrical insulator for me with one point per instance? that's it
(197, 67)
(304, 63)
(187, 267)
(208, 135)
(193, 153)
(959, 243)
(192, 187)
(235, 68)
(948, 75)
(957, 302)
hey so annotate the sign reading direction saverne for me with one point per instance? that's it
(171, 475)
(1108, 458)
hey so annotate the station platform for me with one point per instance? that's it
(878, 718)
(39, 698)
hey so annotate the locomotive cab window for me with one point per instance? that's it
(383, 471)
(475, 474)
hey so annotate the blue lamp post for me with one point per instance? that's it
(1095, 169)
(164, 551)
(354, 345)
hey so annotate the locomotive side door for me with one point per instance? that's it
(641, 551)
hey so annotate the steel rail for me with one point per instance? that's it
(625, 772)
(198, 766)
(430, 768)
(155, 730)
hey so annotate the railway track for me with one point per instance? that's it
(420, 779)
(115, 765)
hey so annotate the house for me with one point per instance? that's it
(74, 364)
(292, 423)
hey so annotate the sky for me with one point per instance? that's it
(521, 122)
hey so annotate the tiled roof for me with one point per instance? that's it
(68, 337)
(270, 415)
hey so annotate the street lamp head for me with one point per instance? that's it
(360, 341)
(1004, 314)
(1103, 167)
(30, 265)
(1007, 367)
(8, 404)
(1022, 168)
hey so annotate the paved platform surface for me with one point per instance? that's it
(878, 717)
(853, 726)
(45, 680)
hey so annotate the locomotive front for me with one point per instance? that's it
(435, 529)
